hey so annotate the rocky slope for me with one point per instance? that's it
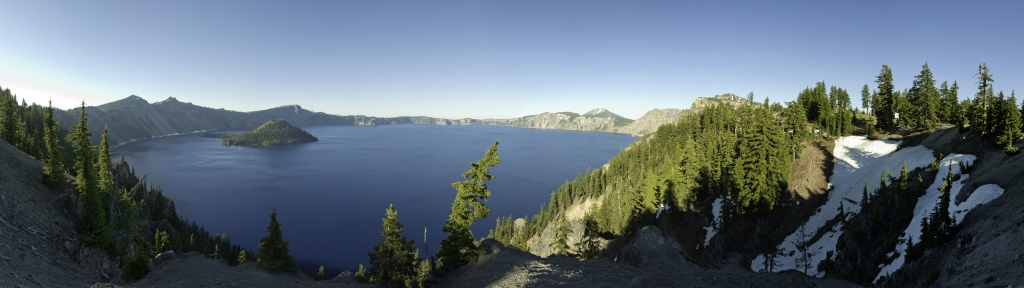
(984, 251)
(39, 244)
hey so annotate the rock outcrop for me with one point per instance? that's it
(650, 248)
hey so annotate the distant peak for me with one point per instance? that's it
(595, 112)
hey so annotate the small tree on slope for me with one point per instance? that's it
(274, 254)
(803, 243)
(459, 249)
(393, 262)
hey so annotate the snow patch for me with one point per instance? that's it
(716, 209)
(926, 203)
(857, 161)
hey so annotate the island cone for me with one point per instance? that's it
(273, 133)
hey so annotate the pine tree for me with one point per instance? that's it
(162, 241)
(274, 254)
(927, 234)
(1011, 124)
(560, 245)
(588, 247)
(9, 117)
(105, 179)
(803, 243)
(925, 98)
(135, 266)
(93, 229)
(54, 168)
(393, 262)
(763, 166)
(865, 97)
(885, 109)
(982, 101)
(904, 195)
(458, 248)
(864, 196)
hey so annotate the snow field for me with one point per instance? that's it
(857, 161)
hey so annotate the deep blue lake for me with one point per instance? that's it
(331, 195)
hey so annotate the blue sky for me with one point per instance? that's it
(497, 59)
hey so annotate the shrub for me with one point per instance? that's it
(136, 267)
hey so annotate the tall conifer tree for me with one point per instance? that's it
(458, 248)
(93, 229)
(925, 98)
(274, 254)
(394, 261)
(54, 168)
(865, 98)
(885, 109)
(980, 108)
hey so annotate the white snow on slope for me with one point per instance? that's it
(716, 209)
(927, 202)
(857, 161)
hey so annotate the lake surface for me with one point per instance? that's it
(331, 195)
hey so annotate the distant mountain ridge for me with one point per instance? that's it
(133, 118)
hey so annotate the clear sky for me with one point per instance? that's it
(496, 59)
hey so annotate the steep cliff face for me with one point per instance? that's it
(567, 121)
(649, 123)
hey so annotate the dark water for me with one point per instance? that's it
(331, 195)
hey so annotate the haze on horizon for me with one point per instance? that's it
(493, 59)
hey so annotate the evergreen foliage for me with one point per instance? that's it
(136, 266)
(134, 207)
(1009, 118)
(925, 99)
(758, 177)
(361, 273)
(561, 241)
(979, 113)
(865, 97)
(393, 262)
(162, 242)
(588, 247)
(458, 248)
(885, 109)
(803, 243)
(704, 145)
(54, 168)
(274, 254)
(93, 229)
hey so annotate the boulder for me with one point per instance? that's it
(650, 248)
(162, 258)
(492, 246)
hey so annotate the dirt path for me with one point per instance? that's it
(509, 267)
(194, 270)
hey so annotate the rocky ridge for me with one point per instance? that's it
(133, 118)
